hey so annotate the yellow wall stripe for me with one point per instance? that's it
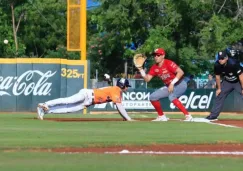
(86, 74)
(85, 82)
(42, 61)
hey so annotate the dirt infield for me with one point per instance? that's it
(219, 150)
(238, 123)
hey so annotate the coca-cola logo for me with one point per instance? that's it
(23, 85)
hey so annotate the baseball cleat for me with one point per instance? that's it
(162, 118)
(40, 113)
(211, 118)
(189, 118)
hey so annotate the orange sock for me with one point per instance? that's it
(157, 107)
(180, 106)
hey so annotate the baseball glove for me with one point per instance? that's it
(138, 60)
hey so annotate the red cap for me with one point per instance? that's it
(159, 51)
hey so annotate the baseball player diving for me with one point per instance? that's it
(85, 98)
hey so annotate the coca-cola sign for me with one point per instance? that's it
(23, 84)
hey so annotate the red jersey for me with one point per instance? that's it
(107, 94)
(166, 72)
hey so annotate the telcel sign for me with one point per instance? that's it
(195, 101)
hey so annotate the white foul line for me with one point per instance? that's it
(225, 125)
(214, 123)
(180, 152)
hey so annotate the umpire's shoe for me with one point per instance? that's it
(211, 118)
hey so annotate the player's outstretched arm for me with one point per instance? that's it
(123, 112)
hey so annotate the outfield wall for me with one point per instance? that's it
(24, 82)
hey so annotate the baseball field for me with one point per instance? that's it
(105, 142)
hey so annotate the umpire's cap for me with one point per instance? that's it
(222, 55)
(122, 83)
(159, 51)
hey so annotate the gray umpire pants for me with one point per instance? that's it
(163, 92)
(226, 89)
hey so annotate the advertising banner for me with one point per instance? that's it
(199, 100)
(26, 82)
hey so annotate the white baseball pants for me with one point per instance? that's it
(71, 104)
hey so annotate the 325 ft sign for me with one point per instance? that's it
(71, 73)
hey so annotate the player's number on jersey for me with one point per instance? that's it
(70, 73)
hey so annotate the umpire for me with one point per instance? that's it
(232, 74)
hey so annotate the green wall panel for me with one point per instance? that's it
(26, 82)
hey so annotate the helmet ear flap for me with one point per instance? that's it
(123, 83)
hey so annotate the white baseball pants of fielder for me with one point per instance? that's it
(71, 104)
(163, 92)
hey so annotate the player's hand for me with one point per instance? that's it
(242, 92)
(218, 91)
(171, 88)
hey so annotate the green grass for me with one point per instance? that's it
(96, 162)
(21, 131)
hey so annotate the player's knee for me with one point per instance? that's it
(153, 97)
(82, 90)
(171, 98)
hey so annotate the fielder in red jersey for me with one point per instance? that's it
(167, 72)
(172, 76)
